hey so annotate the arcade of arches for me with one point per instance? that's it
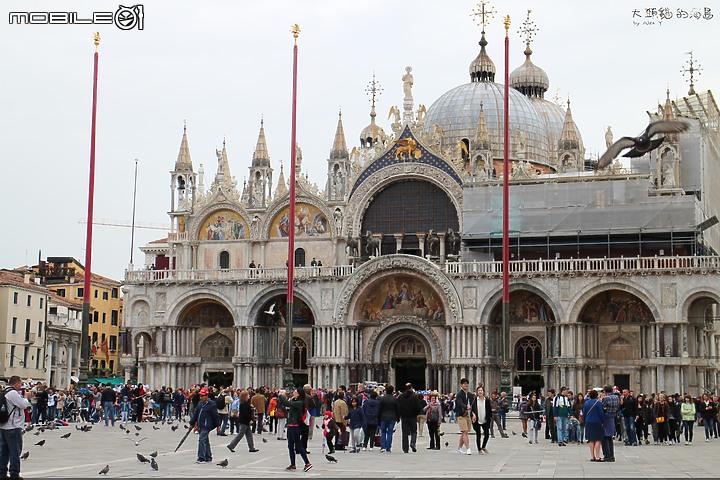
(400, 334)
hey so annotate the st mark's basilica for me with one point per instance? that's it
(613, 272)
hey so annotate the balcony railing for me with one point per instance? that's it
(589, 266)
(239, 274)
(518, 268)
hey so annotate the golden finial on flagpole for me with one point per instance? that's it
(296, 32)
(96, 38)
(506, 22)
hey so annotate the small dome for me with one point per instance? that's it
(529, 79)
(482, 68)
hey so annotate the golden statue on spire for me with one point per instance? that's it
(96, 39)
(296, 32)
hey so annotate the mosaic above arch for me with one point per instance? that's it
(525, 307)
(223, 225)
(310, 221)
(399, 296)
(615, 306)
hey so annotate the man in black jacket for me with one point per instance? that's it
(408, 407)
(628, 405)
(388, 414)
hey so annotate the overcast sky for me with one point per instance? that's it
(222, 65)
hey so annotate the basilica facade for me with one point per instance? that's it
(613, 273)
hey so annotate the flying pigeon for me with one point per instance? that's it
(142, 458)
(642, 144)
(136, 442)
(105, 470)
(40, 443)
(331, 459)
(223, 464)
(271, 310)
(153, 454)
(153, 464)
(24, 456)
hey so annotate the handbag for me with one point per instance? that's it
(659, 419)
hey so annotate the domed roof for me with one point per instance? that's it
(482, 68)
(457, 113)
(529, 79)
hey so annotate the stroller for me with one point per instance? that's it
(72, 412)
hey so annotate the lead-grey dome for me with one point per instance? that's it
(529, 79)
(457, 113)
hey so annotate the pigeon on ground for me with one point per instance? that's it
(42, 430)
(317, 426)
(331, 459)
(153, 464)
(153, 454)
(86, 428)
(24, 456)
(174, 427)
(138, 428)
(441, 434)
(40, 443)
(29, 427)
(37, 433)
(223, 464)
(156, 428)
(67, 435)
(264, 440)
(142, 458)
(136, 442)
(447, 444)
(643, 143)
(105, 470)
(514, 433)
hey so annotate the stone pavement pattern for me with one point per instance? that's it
(85, 454)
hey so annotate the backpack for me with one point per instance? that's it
(220, 401)
(5, 411)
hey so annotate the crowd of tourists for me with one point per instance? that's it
(365, 418)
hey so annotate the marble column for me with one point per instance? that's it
(441, 236)
(398, 242)
(421, 241)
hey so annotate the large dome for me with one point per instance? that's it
(457, 113)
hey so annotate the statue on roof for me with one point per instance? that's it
(407, 83)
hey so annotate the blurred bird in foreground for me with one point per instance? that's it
(643, 143)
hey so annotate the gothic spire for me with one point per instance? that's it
(482, 138)
(183, 161)
(261, 158)
(569, 139)
(339, 149)
(281, 188)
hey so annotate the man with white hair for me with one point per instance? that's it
(12, 429)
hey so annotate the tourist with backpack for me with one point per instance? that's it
(12, 423)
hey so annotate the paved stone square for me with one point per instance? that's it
(85, 454)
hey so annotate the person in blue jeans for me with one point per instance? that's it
(108, 397)
(389, 416)
(628, 406)
(561, 412)
(11, 431)
(205, 418)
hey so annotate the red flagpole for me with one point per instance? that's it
(506, 203)
(87, 286)
(291, 231)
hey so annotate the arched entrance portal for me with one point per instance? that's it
(408, 354)
(209, 329)
(528, 365)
